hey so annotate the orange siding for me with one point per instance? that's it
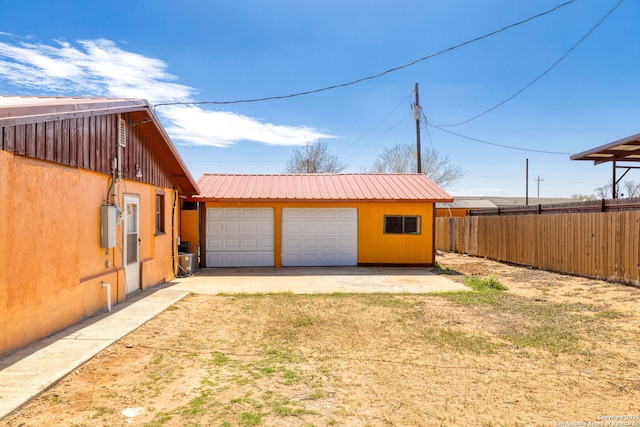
(5, 262)
(157, 251)
(189, 230)
(374, 247)
(51, 263)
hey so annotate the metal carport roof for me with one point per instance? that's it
(623, 150)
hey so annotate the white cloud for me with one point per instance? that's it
(220, 128)
(101, 68)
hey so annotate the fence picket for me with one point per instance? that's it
(602, 245)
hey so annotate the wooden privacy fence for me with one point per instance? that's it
(603, 245)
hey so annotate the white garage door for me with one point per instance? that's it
(239, 237)
(319, 237)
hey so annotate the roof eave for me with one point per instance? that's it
(179, 171)
(596, 154)
(30, 114)
(196, 198)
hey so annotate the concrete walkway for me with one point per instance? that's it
(29, 372)
(312, 280)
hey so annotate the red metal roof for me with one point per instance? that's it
(320, 187)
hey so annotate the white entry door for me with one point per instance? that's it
(131, 251)
(240, 237)
(319, 237)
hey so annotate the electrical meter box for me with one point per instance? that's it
(108, 220)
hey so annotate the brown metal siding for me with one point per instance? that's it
(140, 151)
(87, 142)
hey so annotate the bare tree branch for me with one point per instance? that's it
(313, 157)
(631, 189)
(401, 158)
(626, 189)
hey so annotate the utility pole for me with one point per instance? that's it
(539, 179)
(416, 115)
(526, 180)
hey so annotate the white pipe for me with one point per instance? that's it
(108, 286)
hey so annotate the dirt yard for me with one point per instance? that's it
(551, 350)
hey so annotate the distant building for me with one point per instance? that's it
(461, 207)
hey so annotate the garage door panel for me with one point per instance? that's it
(291, 229)
(214, 213)
(310, 214)
(345, 243)
(249, 213)
(223, 244)
(329, 258)
(319, 236)
(347, 228)
(309, 229)
(239, 259)
(213, 244)
(292, 243)
(231, 228)
(263, 244)
(214, 227)
(240, 237)
(232, 213)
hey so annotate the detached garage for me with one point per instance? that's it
(317, 220)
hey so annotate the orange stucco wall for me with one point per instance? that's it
(51, 263)
(374, 247)
(189, 231)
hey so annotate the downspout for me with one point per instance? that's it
(433, 234)
(173, 233)
(107, 285)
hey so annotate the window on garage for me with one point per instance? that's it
(396, 224)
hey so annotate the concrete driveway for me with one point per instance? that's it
(307, 280)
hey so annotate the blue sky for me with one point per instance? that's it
(214, 50)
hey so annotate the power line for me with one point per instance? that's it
(374, 76)
(381, 135)
(532, 82)
(233, 161)
(499, 145)
(426, 127)
(377, 124)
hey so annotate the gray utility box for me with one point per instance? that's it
(187, 263)
(108, 221)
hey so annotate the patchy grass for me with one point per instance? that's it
(361, 359)
(524, 322)
(478, 283)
